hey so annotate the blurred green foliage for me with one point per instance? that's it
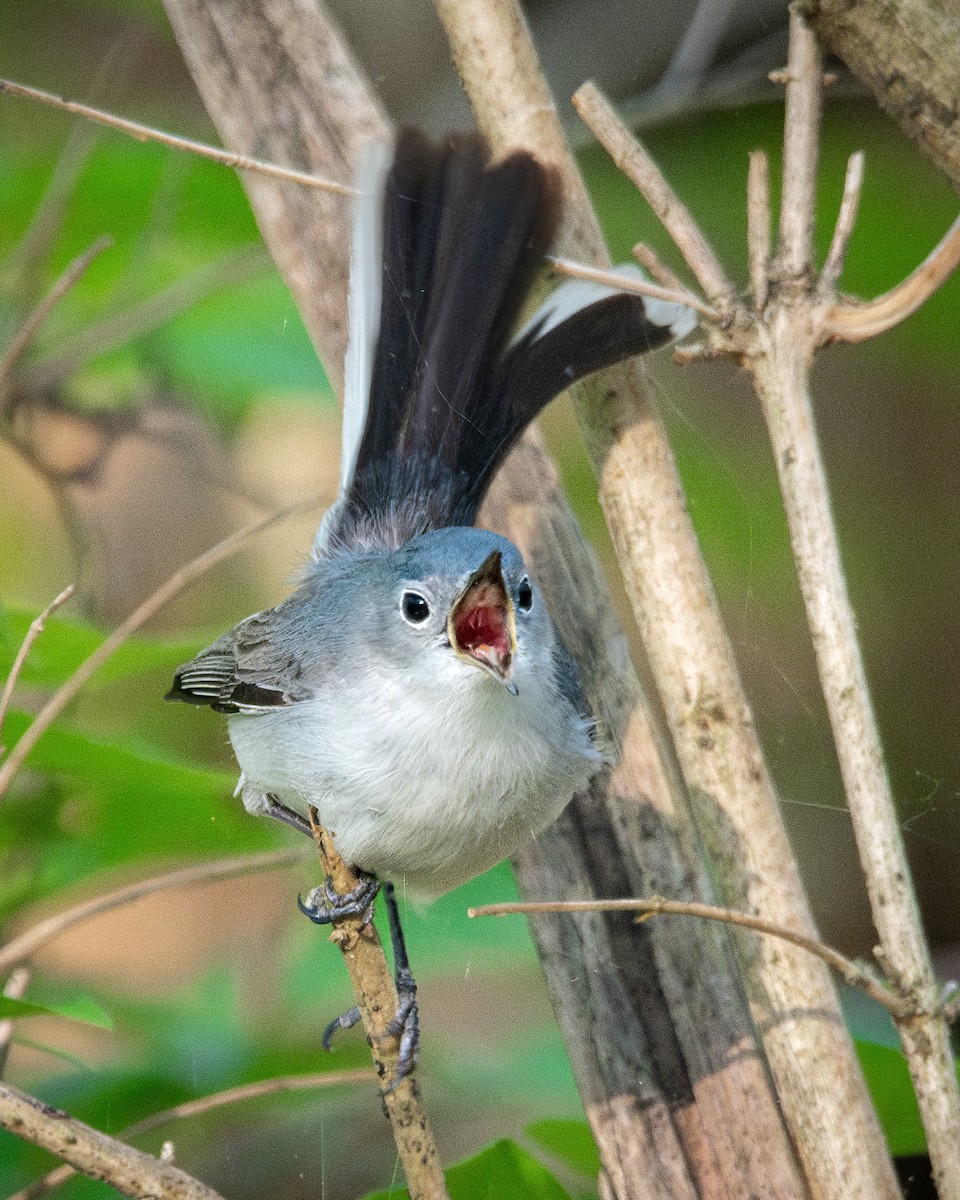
(110, 793)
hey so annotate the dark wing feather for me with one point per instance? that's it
(245, 671)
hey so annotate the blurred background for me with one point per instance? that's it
(173, 396)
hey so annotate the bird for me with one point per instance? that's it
(413, 689)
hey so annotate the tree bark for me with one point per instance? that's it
(907, 52)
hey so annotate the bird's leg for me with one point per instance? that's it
(406, 1021)
(272, 807)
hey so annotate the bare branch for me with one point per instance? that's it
(95, 1154)
(153, 603)
(854, 973)
(624, 283)
(36, 628)
(27, 331)
(846, 219)
(20, 948)
(648, 258)
(376, 997)
(800, 149)
(856, 322)
(631, 157)
(145, 133)
(758, 227)
(13, 989)
(191, 1108)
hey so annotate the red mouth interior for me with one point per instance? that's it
(480, 624)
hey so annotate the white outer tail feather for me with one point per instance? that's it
(574, 294)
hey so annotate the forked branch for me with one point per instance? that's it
(792, 314)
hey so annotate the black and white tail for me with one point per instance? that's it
(445, 249)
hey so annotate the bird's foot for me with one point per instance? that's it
(346, 1020)
(405, 1026)
(324, 904)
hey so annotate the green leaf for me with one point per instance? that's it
(893, 1096)
(80, 1008)
(570, 1141)
(501, 1170)
(66, 642)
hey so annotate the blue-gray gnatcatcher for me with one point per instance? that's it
(413, 688)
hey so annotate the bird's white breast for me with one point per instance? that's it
(427, 785)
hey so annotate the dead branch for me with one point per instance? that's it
(376, 995)
(146, 133)
(130, 1171)
(36, 628)
(851, 972)
(192, 1108)
(831, 1123)
(777, 346)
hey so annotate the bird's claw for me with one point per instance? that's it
(324, 904)
(405, 1025)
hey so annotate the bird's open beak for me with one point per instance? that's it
(481, 625)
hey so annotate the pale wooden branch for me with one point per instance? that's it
(831, 1122)
(624, 283)
(846, 219)
(191, 1108)
(596, 112)
(851, 972)
(37, 627)
(13, 989)
(908, 55)
(130, 1171)
(26, 944)
(849, 322)
(758, 227)
(146, 133)
(27, 331)
(152, 605)
(648, 258)
(778, 351)
(376, 995)
(801, 144)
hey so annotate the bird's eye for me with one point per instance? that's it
(525, 595)
(414, 607)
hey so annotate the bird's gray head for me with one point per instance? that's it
(464, 594)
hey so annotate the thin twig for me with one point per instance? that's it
(376, 997)
(856, 322)
(36, 628)
(801, 140)
(624, 283)
(153, 603)
(20, 948)
(846, 219)
(190, 1108)
(13, 989)
(631, 157)
(648, 258)
(758, 227)
(96, 1154)
(27, 331)
(146, 133)
(854, 973)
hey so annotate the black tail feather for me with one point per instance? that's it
(462, 243)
